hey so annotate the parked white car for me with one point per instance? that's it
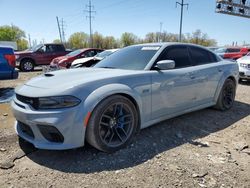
(244, 67)
(89, 61)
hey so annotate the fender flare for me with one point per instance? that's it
(93, 99)
(224, 77)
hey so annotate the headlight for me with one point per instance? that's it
(57, 102)
(17, 56)
(243, 65)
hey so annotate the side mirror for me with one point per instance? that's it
(165, 64)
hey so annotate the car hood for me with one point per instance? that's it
(82, 60)
(65, 79)
(23, 52)
(244, 59)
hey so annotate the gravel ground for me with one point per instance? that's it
(207, 148)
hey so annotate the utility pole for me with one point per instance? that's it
(60, 34)
(63, 30)
(90, 12)
(29, 41)
(159, 38)
(182, 4)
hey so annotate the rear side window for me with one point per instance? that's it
(90, 53)
(59, 48)
(179, 54)
(233, 50)
(201, 56)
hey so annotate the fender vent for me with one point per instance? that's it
(48, 75)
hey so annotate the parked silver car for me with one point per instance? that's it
(134, 88)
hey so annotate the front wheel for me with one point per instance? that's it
(112, 124)
(227, 96)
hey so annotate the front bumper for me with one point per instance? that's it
(54, 130)
(244, 73)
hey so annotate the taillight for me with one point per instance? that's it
(11, 59)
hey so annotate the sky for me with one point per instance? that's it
(114, 17)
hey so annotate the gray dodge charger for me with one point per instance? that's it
(134, 88)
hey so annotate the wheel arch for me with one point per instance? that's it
(29, 58)
(100, 94)
(222, 81)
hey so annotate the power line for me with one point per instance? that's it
(182, 4)
(90, 12)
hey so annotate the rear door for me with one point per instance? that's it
(207, 73)
(174, 90)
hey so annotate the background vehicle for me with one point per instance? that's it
(232, 52)
(7, 64)
(39, 55)
(134, 88)
(89, 61)
(65, 61)
(244, 67)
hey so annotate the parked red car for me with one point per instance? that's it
(232, 52)
(65, 61)
(41, 54)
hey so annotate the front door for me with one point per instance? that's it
(174, 90)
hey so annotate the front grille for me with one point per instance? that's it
(32, 101)
(51, 133)
(241, 73)
(26, 129)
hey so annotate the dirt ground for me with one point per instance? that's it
(207, 148)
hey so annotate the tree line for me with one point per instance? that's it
(81, 40)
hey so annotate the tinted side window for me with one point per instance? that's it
(58, 48)
(90, 53)
(232, 50)
(179, 54)
(200, 56)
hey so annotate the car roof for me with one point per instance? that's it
(165, 44)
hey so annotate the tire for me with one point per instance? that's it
(112, 124)
(227, 96)
(27, 65)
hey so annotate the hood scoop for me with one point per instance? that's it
(48, 75)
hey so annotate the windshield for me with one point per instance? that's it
(220, 50)
(104, 54)
(35, 48)
(74, 53)
(129, 58)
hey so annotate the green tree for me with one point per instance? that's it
(15, 34)
(57, 41)
(22, 44)
(198, 37)
(110, 42)
(128, 39)
(150, 37)
(78, 40)
(97, 40)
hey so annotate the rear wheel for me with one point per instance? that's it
(112, 124)
(227, 95)
(27, 65)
